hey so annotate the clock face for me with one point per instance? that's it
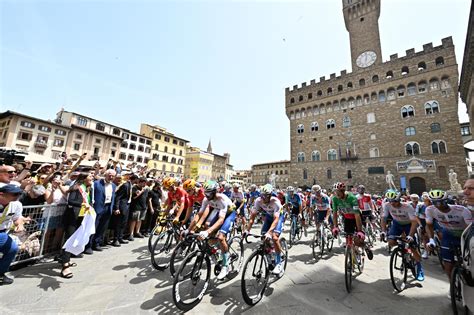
(367, 58)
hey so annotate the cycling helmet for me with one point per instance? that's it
(339, 186)
(299, 190)
(168, 182)
(236, 185)
(316, 188)
(290, 189)
(414, 196)
(177, 181)
(253, 187)
(210, 186)
(438, 195)
(189, 184)
(393, 195)
(266, 189)
(360, 188)
(227, 186)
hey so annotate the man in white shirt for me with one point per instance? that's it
(10, 213)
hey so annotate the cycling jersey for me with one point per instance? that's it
(197, 197)
(220, 204)
(228, 193)
(402, 215)
(237, 196)
(295, 201)
(321, 202)
(454, 221)
(420, 210)
(348, 206)
(273, 207)
(365, 202)
(252, 196)
(179, 195)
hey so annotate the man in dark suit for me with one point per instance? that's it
(121, 205)
(104, 199)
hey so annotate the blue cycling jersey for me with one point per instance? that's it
(295, 200)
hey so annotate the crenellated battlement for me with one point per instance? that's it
(395, 61)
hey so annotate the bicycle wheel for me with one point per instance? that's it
(179, 253)
(322, 243)
(348, 269)
(299, 230)
(455, 289)
(153, 235)
(191, 281)
(236, 251)
(161, 252)
(292, 232)
(284, 252)
(398, 270)
(254, 278)
(438, 251)
(329, 239)
(360, 259)
(315, 243)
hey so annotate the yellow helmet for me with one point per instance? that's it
(189, 184)
(168, 182)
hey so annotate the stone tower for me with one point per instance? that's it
(362, 22)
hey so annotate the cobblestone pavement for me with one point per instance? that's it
(122, 281)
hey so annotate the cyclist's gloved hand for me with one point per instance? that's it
(335, 231)
(203, 234)
(409, 239)
(432, 243)
(361, 235)
(268, 236)
(171, 212)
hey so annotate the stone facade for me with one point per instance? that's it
(261, 173)
(392, 116)
(466, 85)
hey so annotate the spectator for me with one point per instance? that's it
(80, 193)
(10, 213)
(138, 208)
(8, 175)
(104, 198)
(121, 206)
(154, 206)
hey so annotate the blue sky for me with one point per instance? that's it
(201, 69)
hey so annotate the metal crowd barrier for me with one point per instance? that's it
(42, 236)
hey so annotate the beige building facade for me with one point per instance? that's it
(278, 171)
(398, 116)
(198, 164)
(168, 151)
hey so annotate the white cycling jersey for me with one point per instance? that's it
(403, 215)
(273, 207)
(455, 220)
(237, 196)
(220, 204)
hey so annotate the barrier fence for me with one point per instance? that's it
(42, 235)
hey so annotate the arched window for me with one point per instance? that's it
(391, 94)
(314, 126)
(330, 123)
(315, 110)
(382, 96)
(292, 100)
(351, 102)
(389, 75)
(332, 155)
(343, 103)
(439, 61)
(320, 93)
(434, 84)
(362, 82)
(303, 113)
(445, 83)
(309, 112)
(435, 127)
(375, 79)
(292, 115)
(438, 147)
(322, 109)
(405, 70)
(411, 88)
(315, 156)
(346, 121)
(300, 128)
(300, 98)
(401, 91)
(336, 105)
(421, 66)
(431, 107)
(310, 96)
(412, 148)
(422, 86)
(359, 100)
(328, 107)
(349, 85)
(373, 97)
(329, 90)
(407, 111)
(410, 131)
(374, 153)
(297, 114)
(373, 136)
(339, 88)
(366, 99)
(300, 157)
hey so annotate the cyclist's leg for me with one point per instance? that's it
(449, 242)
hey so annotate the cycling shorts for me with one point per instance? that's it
(268, 221)
(448, 243)
(397, 229)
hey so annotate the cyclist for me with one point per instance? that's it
(220, 219)
(252, 196)
(366, 206)
(273, 222)
(227, 189)
(403, 221)
(238, 199)
(178, 196)
(346, 203)
(453, 219)
(195, 196)
(294, 202)
(320, 204)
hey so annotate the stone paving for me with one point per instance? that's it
(122, 281)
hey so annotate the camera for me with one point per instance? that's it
(9, 157)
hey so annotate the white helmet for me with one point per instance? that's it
(236, 185)
(316, 188)
(290, 189)
(266, 189)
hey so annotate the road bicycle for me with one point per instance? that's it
(164, 244)
(354, 258)
(323, 239)
(401, 262)
(259, 265)
(296, 229)
(460, 276)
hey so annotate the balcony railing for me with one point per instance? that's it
(349, 158)
(41, 144)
